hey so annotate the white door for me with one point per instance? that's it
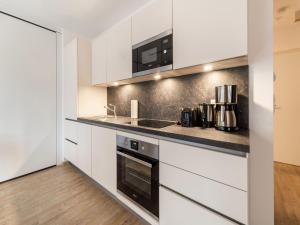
(27, 98)
(286, 119)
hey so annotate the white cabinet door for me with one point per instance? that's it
(212, 194)
(208, 31)
(152, 20)
(99, 59)
(84, 161)
(177, 210)
(119, 65)
(224, 168)
(70, 151)
(70, 131)
(70, 79)
(104, 157)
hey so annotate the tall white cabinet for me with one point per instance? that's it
(208, 31)
(80, 97)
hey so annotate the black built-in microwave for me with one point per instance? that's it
(153, 55)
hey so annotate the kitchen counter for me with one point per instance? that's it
(234, 143)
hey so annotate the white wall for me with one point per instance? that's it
(260, 47)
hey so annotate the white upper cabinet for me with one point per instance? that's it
(208, 30)
(152, 20)
(80, 97)
(119, 54)
(70, 80)
(99, 59)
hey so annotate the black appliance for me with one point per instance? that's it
(189, 117)
(153, 55)
(152, 123)
(138, 172)
(206, 115)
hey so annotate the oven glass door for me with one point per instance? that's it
(149, 56)
(137, 177)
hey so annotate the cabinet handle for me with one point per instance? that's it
(135, 159)
(71, 141)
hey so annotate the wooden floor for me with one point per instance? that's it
(59, 196)
(287, 194)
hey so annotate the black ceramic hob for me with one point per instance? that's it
(152, 123)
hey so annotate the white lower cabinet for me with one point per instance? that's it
(178, 210)
(78, 146)
(104, 157)
(84, 154)
(70, 152)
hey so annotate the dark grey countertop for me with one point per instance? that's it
(236, 142)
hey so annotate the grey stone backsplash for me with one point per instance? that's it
(163, 99)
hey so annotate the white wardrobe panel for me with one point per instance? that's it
(27, 98)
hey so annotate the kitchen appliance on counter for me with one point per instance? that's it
(153, 55)
(226, 108)
(189, 117)
(138, 172)
(206, 115)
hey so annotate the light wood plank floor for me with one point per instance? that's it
(59, 196)
(287, 194)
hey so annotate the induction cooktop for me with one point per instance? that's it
(152, 123)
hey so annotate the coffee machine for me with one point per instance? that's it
(226, 108)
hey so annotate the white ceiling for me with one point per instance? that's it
(85, 17)
(284, 12)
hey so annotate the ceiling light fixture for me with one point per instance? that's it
(208, 68)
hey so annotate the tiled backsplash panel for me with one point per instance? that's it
(163, 99)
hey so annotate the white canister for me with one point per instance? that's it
(134, 109)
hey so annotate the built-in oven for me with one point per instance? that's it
(153, 55)
(138, 172)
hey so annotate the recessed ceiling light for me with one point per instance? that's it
(157, 77)
(116, 84)
(208, 68)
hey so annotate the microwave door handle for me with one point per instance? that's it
(135, 159)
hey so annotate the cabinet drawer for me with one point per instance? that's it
(221, 167)
(224, 199)
(70, 152)
(70, 131)
(177, 210)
